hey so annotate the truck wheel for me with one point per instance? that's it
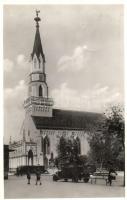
(55, 178)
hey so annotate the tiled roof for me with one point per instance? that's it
(65, 119)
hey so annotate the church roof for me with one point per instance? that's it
(69, 120)
(37, 48)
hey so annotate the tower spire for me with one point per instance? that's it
(37, 48)
(38, 103)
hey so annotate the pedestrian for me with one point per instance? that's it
(28, 176)
(111, 176)
(38, 177)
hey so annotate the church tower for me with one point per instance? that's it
(38, 103)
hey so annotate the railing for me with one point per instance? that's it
(38, 101)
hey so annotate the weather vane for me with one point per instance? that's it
(37, 11)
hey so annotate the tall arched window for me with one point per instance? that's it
(42, 144)
(46, 145)
(40, 91)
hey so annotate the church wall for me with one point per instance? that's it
(54, 136)
(33, 90)
(31, 133)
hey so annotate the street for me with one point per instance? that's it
(17, 187)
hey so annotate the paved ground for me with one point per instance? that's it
(16, 187)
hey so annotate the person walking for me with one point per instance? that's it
(28, 176)
(38, 177)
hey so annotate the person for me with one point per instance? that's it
(28, 176)
(38, 177)
(111, 176)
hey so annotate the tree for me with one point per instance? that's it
(116, 127)
(115, 123)
(107, 140)
(68, 151)
(97, 151)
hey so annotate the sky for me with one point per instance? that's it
(84, 49)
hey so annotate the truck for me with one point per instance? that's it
(72, 171)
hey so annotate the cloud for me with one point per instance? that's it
(8, 65)
(21, 61)
(93, 100)
(13, 110)
(17, 91)
(77, 61)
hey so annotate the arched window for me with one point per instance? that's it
(78, 145)
(42, 144)
(40, 91)
(46, 145)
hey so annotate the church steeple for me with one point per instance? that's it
(37, 48)
(38, 102)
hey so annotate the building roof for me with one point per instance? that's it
(69, 120)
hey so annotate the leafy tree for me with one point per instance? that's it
(115, 123)
(116, 127)
(68, 151)
(107, 139)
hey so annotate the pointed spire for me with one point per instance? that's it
(37, 48)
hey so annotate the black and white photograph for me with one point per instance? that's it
(64, 121)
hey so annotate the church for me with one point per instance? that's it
(43, 125)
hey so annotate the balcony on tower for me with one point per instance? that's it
(39, 106)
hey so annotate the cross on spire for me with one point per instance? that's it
(37, 11)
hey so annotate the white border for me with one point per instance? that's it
(63, 1)
(1, 104)
(32, 2)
